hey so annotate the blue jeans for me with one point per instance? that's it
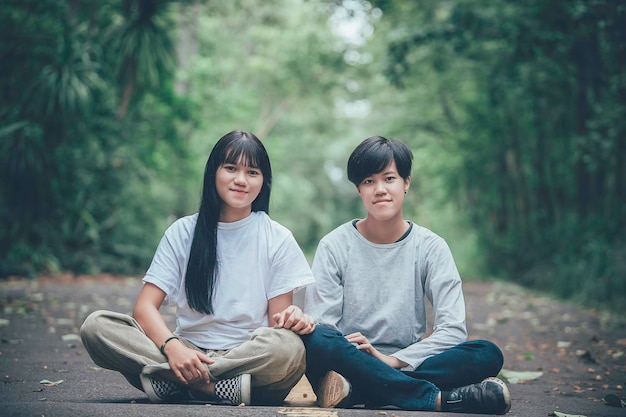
(381, 385)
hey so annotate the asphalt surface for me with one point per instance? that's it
(46, 371)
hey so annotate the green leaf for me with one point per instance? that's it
(515, 377)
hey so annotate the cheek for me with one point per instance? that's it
(257, 188)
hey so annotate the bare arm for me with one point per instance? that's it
(186, 363)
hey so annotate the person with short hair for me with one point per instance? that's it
(374, 277)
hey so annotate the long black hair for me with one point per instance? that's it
(234, 147)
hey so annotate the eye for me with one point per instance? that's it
(390, 178)
(229, 167)
(254, 172)
(367, 181)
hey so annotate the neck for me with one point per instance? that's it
(231, 215)
(382, 231)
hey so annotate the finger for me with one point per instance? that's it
(290, 316)
(198, 375)
(307, 320)
(293, 319)
(307, 329)
(178, 374)
(308, 324)
(280, 319)
(190, 375)
(204, 358)
(204, 371)
(299, 326)
(276, 318)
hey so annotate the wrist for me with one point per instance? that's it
(166, 341)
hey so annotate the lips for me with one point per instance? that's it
(382, 201)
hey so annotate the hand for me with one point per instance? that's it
(362, 343)
(294, 319)
(188, 364)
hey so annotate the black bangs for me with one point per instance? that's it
(244, 152)
(375, 154)
(366, 161)
(375, 162)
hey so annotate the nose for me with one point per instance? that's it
(380, 188)
(240, 177)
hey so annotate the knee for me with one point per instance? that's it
(323, 339)
(284, 345)
(289, 344)
(492, 356)
(92, 324)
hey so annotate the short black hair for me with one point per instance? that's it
(376, 153)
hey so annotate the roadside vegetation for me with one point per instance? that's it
(514, 111)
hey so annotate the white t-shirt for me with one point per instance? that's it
(258, 259)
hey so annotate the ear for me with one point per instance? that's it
(407, 183)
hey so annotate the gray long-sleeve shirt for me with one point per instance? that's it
(380, 291)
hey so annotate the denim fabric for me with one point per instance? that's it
(376, 384)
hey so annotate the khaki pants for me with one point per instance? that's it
(274, 358)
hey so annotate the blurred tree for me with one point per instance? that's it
(100, 151)
(532, 93)
(275, 69)
(143, 46)
(64, 183)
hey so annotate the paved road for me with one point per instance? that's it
(39, 321)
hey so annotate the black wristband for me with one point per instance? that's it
(165, 342)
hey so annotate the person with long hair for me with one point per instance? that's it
(374, 278)
(231, 272)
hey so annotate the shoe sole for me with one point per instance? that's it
(246, 389)
(505, 392)
(333, 389)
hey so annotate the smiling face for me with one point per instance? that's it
(383, 193)
(238, 185)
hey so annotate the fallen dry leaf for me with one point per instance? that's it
(47, 383)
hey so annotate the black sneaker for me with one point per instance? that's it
(491, 396)
(334, 391)
(234, 391)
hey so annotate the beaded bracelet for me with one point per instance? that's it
(164, 343)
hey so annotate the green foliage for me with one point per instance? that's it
(99, 153)
(73, 188)
(534, 145)
(514, 111)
